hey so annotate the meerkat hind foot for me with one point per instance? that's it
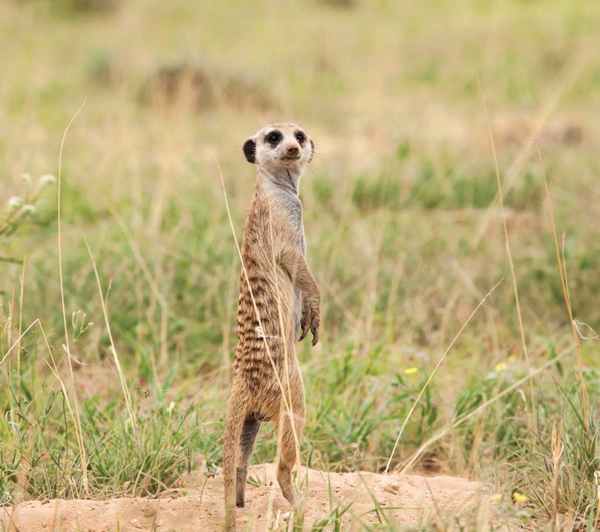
(284, 477)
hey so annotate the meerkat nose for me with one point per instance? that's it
(292, 151)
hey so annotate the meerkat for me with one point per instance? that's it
(278, 297)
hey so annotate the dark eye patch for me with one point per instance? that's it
(273, 138)
(300, 137)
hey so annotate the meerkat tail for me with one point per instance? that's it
(236, 414)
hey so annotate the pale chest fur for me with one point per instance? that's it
(286, 210)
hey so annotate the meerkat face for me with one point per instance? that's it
(280, 146)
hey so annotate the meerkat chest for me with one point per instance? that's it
(297, 224)
(295, 216)
(289, 215)
(302, 240)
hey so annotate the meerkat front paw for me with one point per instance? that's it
(314, 327)
(311, 321)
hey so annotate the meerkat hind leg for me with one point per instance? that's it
(247, 439)
(288, 454)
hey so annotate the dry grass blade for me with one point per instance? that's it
(22, 281)
(113, 349)
(18, 340)
(164, 308)
(557, 451)
(562, 271)
(508, 250)
(78, 430)
(415, 456)
(416, 402)
(541, 119)
(55, 371)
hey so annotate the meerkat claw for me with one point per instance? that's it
(315, 333)
(305, 326)
(315, 323)
(305, 323)
(304, 333)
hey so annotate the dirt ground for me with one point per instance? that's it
(412, 498)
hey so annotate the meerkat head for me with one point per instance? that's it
(280, 146)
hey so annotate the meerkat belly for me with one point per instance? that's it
(267, 318)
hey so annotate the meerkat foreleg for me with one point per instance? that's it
(297, 267)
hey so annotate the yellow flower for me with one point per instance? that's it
(410, 371)
(496, 496)
(500, 366)
(519, 497)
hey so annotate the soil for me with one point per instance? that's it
(199, 505)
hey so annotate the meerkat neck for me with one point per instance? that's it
(285, 179)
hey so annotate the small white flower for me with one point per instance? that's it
(15, 202)
(26, 177)
(47, 179)
(171, 407)
(28, 208)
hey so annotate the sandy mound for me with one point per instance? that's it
(411, 496)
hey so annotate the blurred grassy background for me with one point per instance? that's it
(404, 231)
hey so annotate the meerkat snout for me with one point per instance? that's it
(279, 145)
(293, 151)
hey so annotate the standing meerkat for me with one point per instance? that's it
(278, 296)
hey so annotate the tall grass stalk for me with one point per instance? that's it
(509, 252)
(460, 421)
(562, 271)
(113, 349)
(431, 375)
(557, 451)
(77, 419)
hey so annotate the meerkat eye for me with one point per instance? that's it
(273, 138)
(300, 137)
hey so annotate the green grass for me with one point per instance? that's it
(403, 226)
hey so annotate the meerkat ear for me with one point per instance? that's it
(312, 150)
(250, 151)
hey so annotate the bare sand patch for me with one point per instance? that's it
(409, 498)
